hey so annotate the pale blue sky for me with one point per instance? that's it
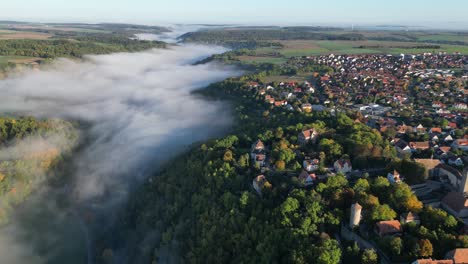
(447, 13)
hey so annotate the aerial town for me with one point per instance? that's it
(418, 103)
(296, 132)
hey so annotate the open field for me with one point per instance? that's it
(17, 59)
(294, 48)
(262, 59)
(319, 47)
(11, 34)
(56, 28)
(444, 37)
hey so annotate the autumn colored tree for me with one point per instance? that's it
(280, 165)
(228, 156)
(403, 199)
(425, 248)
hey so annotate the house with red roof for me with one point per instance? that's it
(388, 228)
(459, 255)
(307, 136)
(460, 144)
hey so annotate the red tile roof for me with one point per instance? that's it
(388, 227)
(459, 255)
(431, 261)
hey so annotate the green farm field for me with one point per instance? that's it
(294, 48)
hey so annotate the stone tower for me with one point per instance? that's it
(464, 182)
(355, 215)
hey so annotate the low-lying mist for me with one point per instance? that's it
(136, 103)
(139, 109)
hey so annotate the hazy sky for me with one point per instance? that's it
(449, 13)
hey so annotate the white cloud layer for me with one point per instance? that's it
(136, 103)
(140, 112)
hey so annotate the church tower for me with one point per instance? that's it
(464, 182)
(355, 218)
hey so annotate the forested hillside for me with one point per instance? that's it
(203, 207)
(253, 38)
(89, 44)
(30, 153)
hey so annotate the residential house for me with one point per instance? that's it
(460, 144)
(459, 255)
(307, 108)
(257, 153)
(402, 147)
(258, 146)
(388, 228)
(448, 139)
(420, 129)
(431, 261)
(460, 106)
(253, 84)
(394, 177)
(307, 136)
(404, 129)
(438, 105)
(443, 151)
(452, 125)
(410, 217)
(415, 146)
(307, 178)
(435, 130)
(343, 166)
(259, 182)
(311, 164)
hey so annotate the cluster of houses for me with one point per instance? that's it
(394, 228)
(287, 95)
(405, 87)
(439, 140)
(391, 82)
(307, 176)
(387, 75)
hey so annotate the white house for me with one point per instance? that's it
(448, 138)
(402, 147)
(306, 178)
(461, 106)
(259, 182)
(410, 217)
(343, 166)
(311, 165)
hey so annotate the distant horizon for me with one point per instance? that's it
(343, 25)
(450, 15)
